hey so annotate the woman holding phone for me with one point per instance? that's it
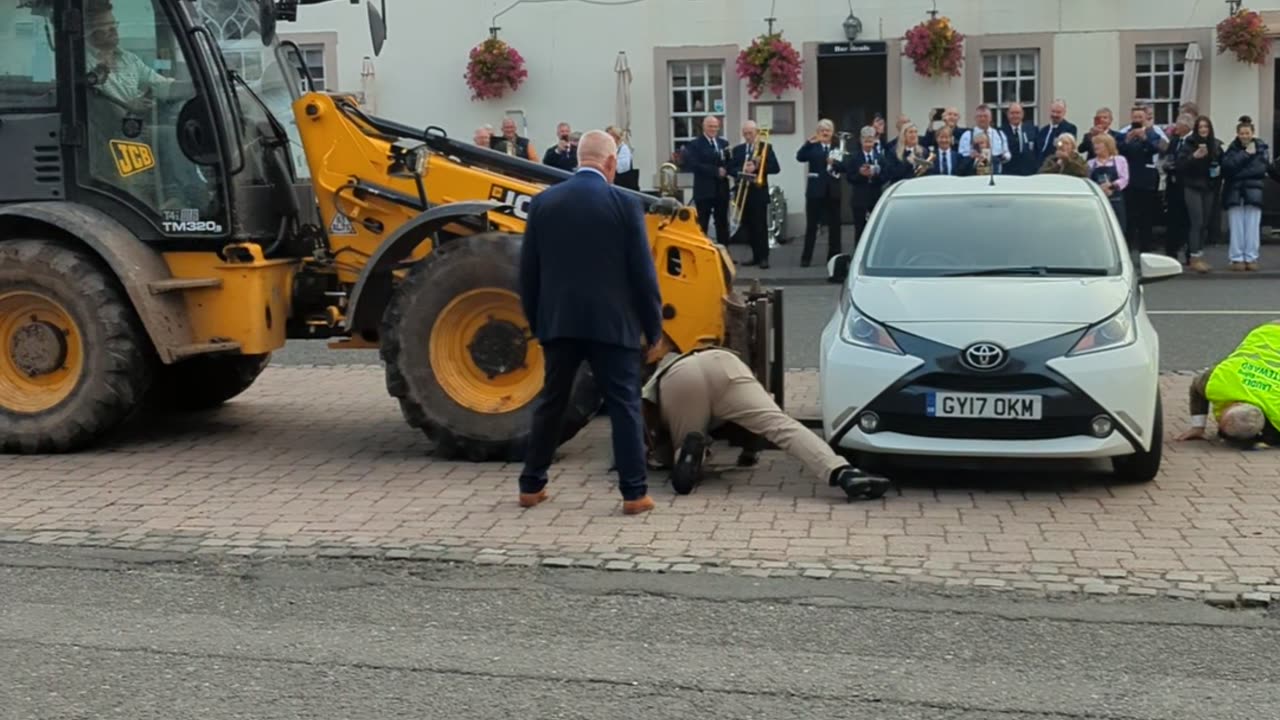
(1199, 168)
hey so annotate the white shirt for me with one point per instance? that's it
(128, 77)
(624, 158)
(999, 143)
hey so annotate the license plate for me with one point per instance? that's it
(983, 407)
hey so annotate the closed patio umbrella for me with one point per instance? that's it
(622, 108)
(1191, 75)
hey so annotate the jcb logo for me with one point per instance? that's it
(132, 158)
(518, 201)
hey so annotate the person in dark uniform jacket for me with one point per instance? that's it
(1140, 145)
(707, 157)
(1102, 125)
(948, 160)
(590, 293)
(755, 213)
(865, 173)
(564, 154)
(1022, 142)
(822, 192)
(1047, 143)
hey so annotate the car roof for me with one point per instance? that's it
(1047, 184)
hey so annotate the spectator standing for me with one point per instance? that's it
(590, 293)
(822, 192)
(483, 136)
(882, 135)
(1175, 198)
(1244, 169)
(1022, 142)
(1058, 125)
(512, 143)
(865, 173)
(564, 154)
(755, 211)
(1111, 171)
(707, 157)
(1199, 168)
(1142, 143)
(950, 120)
(997, 143)
(1102, 121)
(1066, 158)
(628, 176)
(947, 160)
(892, 146)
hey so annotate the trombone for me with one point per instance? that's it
(759, 155)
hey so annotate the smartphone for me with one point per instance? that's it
(937, 114)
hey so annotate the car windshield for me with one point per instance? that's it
(991, 235)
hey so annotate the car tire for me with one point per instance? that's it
(1143, 466)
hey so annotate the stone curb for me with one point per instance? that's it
(1039, 579)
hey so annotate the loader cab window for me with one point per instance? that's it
(140, 96)
(27, 67)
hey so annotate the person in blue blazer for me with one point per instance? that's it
(865, 170)
(1047, 143)
(590, 294)
(755, 212)
(822, 191)
(947, 159)
(1022, 138)
(707, 157)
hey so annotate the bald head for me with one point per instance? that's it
(1242, 421)
(599, 151)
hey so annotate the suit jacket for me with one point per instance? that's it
(1049, 134)
(961, 166)
(704, 161)
(1141, 155)
(820, 184)
(567, 160)
(739, 159)
(1086, 142)
(586, 271)
(866, 190)
(930, 138)
(1025, 149)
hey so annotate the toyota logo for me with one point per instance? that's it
(984, 356)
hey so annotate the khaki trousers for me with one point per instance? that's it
(715, 384)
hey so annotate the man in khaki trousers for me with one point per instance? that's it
(690, 394)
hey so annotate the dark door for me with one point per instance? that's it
(1271, 193)
(30, 124)
(851, 91)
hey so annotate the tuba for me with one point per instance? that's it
(758, 156)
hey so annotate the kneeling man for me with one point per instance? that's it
(1243, 391)
(690, 394)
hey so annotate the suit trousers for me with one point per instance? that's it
(1142, 207)
(860, 215)
(617, 374)
(755, 224)
(715, 384)
(719, 206)
(1178, 224)
(821, 210)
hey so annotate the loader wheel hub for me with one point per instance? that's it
(483, 354)
(41, 352)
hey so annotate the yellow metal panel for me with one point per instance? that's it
(251, 307)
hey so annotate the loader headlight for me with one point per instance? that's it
(409, 157)
(860, 330)
(1119, 330)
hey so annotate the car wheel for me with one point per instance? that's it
(1142, 467)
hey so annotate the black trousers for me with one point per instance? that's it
(860, 215)
(821, 210)
(1178, 224)
(1142, 207)
(719, 206)
(617, 374)
(755, 224)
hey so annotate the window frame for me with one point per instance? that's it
(1001, 103)
(1165, 109)
(16, 106)
(322, 52)
(676, 140)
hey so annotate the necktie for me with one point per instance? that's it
(946, 164)
(1048, 137)
(1019, 131)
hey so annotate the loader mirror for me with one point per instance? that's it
(377, 26)
(267, 20)
(196, 139)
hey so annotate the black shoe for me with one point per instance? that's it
(806, 263)
(751, 263)
(764, 265)
(858, 485)
(688, 468)
(748, 458)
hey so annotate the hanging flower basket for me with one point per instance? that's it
(935, 47)
(1245, 34)
(770, 62)
(494, 66)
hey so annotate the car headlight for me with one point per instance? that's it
(862, 331)
(1117, 331)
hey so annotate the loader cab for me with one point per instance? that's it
(127, 106)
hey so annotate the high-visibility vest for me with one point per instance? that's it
(1250, 375)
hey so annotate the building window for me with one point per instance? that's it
(1010, 76)
(697, 90)
(313, 56)
(1159, 75)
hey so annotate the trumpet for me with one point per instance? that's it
(838, 155)
(758, 156)
(669, 180)
(921, 165)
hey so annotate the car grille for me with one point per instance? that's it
(959, 429)
(983, 383)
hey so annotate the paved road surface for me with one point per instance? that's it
(1198, 319)
(88, 638)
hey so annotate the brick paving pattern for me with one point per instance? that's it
(317, 461)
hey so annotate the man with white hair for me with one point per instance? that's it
(707, 157)
(589, 290)
(512, 143)
(822, 192)
(1058, 125)
(755, 212)
(1243, 391)
(483, 136)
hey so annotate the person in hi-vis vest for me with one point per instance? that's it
(1242, 391)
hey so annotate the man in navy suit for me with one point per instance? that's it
(865, 173)
(1102, 120)
(590, 293)
(755, 212)
(947, 159)
(822, 192)
(707, 157)
(1022, 143)
(1047, 143)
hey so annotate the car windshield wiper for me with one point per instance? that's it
(1029, 270)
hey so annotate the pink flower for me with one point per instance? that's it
(494, 66)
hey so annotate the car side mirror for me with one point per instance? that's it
(838, 268)
(1154, 268)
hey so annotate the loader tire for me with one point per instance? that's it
(75, 363)
(204, 383)
(460, 357)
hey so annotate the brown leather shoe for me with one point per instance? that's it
(528, 500)
(635, 507)
(1237, 267)
(1199, 265)
(1251, 267)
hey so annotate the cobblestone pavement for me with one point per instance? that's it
(317, 461)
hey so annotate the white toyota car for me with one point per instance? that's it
(994, 318)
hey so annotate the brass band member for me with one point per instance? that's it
(755, 215)
(707, 157)
(909, 157)
(822, 192)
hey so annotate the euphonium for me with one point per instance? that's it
(759, 156)
(838, 155)
(669, 180)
